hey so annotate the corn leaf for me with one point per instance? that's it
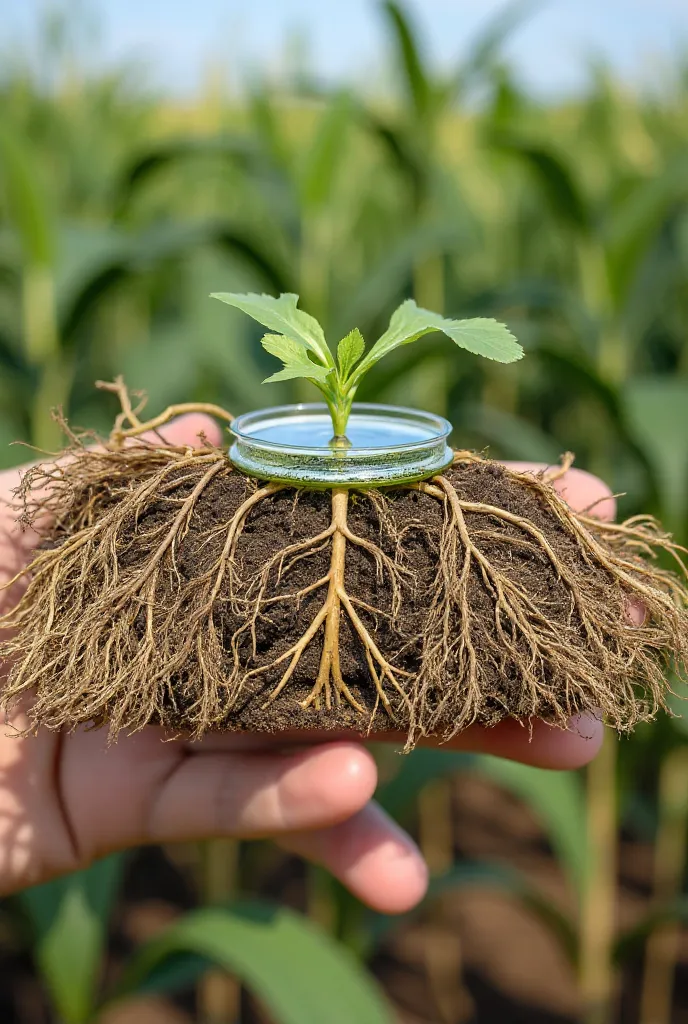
(555, 176)
(283, 316)
(485, 49)
(324, 158)
(90, 276)
(27, 203)
(411, 62)
(277, 954)
(657, 410)
(70, 917)
(349, 351)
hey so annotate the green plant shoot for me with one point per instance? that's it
(299, 341)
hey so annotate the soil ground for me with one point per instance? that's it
(501, 965)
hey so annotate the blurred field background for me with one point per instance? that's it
(556, 898)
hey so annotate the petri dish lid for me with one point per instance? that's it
(389, 445)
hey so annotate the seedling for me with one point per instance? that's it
(301, 346)
(174, 589)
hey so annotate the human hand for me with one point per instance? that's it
(67, 799)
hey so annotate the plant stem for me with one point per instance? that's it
(670, 856)
(340, 409)
(599, 898)
(218, 994)
(442, 952)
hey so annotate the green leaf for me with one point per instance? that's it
(484, 337)
(657, 411)
(27, 204)
(172, 154)
(324, 158)
(281, 315)
(555, 177)
(411, 62)
(88, 285)
(70, 918)
(634, 226)
(295, 358)
(349, 351)
(284, 348)
(485, 49)
(299, 973)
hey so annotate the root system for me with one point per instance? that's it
(171, 589)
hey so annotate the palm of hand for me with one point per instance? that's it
(68, 799)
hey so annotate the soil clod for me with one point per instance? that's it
(171, 589)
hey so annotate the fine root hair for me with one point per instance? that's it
(465, 599)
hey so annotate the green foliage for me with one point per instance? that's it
(282, 315)
(349, 351)
(298, 972)
(295, 358)
(482, 336)
(70, 918)
(301, 335)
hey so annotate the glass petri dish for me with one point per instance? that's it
(389, 445)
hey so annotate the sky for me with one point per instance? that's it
(176, 40)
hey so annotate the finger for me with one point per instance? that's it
(16, 542)
(188, 429)
(581, 489)
(156, 795)
(374, 858)
(535, 742)
(261, 795)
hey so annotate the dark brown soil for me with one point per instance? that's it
(291, 516)
(479, 596)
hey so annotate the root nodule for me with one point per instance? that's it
(171, 589)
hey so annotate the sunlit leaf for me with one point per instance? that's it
(482, 336)
(70, 918)
(657, 409)
(418, 83)
(25, 197)
(349, 351)
(299, 973)
(283, 316)
(324, 158)
(295, 357)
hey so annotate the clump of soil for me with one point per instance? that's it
(171, 589)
